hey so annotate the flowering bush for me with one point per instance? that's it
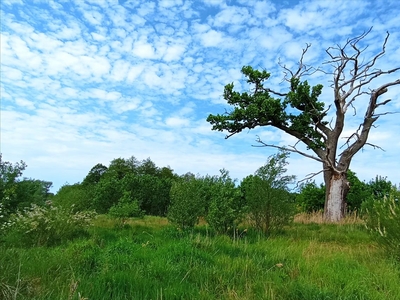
(45, 225)
(3, 214)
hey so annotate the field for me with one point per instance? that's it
(149, 259)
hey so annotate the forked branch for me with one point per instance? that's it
(351, 75)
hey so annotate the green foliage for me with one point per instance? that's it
(311, 197)
(9, 177)
(121, 167)
(225, 209)
(17, 193)
(383, 218)
(126, 208)
(358, 193)
(297, 114)
(107, 193)
(380, 187)
(45, 226)
(270, 205)
(78, 196)
(187, 203)
(152, 193)
(95, 174)
(142, 180)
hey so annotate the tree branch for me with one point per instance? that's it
(310, 175)
(302, 69)
(291, 149)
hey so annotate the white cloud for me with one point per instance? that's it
(214, 2)
(134, 72)
(143, 49)
(174, 53)
(232, 15)
(98, 37)
(177, 122)
(211, 38)
(25, 103)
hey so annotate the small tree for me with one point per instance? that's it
(9, 177)
(17, 193)
(187, 204)
(126, 208)
(269, 202)
(225, 209)
(299, 112)
(107, 193)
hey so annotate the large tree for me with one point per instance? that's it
(299, 112)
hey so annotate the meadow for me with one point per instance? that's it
(150, 259)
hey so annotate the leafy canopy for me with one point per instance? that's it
(297, 113)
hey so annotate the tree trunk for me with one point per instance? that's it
(337, 187)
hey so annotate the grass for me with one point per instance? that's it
(149, 259)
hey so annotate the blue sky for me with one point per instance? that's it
(84, 82)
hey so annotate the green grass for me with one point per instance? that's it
(148, 259)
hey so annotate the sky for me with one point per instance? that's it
(85, 82)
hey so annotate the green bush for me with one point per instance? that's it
(187, 203)
(270, 205)
(126, 208)
(383, 218)
(45, 226)
(311, 197)
(225, 209)
(76, 195)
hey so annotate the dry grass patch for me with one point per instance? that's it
(318, 218)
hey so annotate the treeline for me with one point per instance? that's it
(132, 188)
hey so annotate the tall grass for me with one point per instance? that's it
(317, 217)
(148, 259)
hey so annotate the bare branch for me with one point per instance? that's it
(360, 73)
(354, 135)
(311, 175)
(383, 103)
(375, 146)
(291, 149)
(229, 135)
(386, 113)
(302, 69)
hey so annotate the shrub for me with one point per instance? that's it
(270, 205)
(383, 218)
(45, 226)
(225, 209)
(77, 196)
(311, 197)
(187, 204)
(126, 208)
